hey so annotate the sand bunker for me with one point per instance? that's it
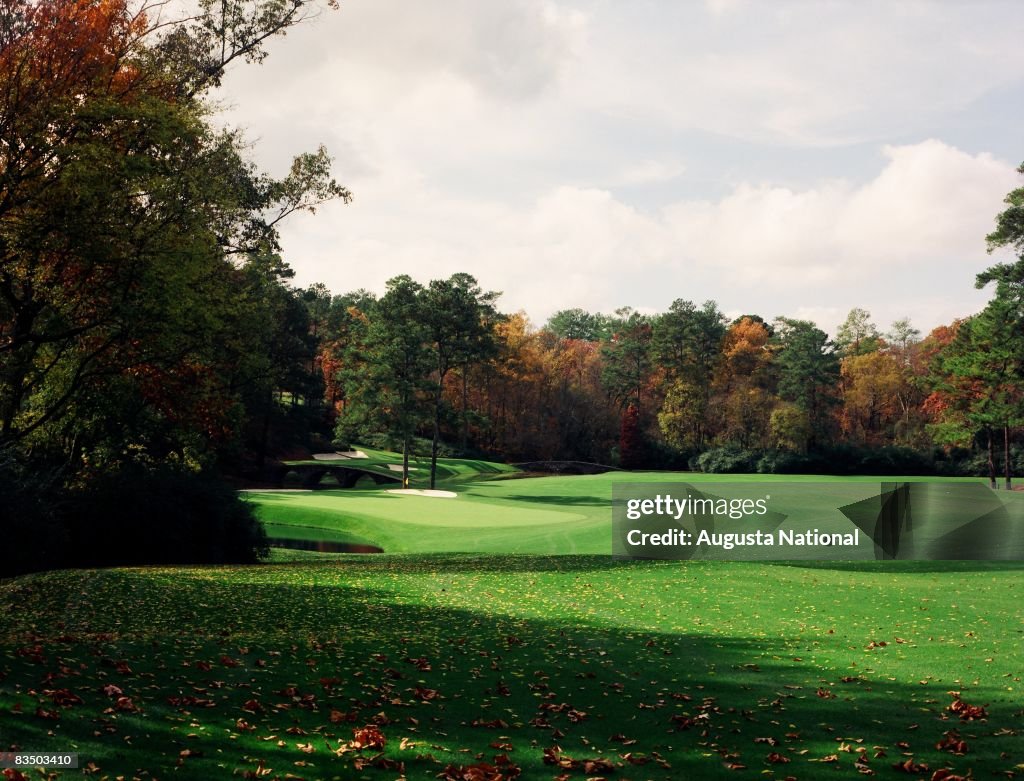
(339, 456)
(424, 492)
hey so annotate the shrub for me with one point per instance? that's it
(727, 460)
(894, 461)
(785, 462)
(33, 536)
(833, 460)
(162, 515)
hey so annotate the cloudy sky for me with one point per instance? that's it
(784, 158)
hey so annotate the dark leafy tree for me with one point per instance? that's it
(631, 444)
(120, 208)
(579, 324)
(392, 388)
(459, 318)
(687, 343)
(628, 358)
(130, 230)
(857, 335)
(808, 372)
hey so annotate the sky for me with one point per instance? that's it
(781, 158)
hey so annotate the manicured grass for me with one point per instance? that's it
(660, 670)
(546, 515)
(703, 666)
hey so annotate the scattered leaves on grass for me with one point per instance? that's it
(369, 736)
(965, 711)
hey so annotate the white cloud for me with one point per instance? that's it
(888, 245)
(581, 153)
(799, 72)
(930, 202)
(651, 171)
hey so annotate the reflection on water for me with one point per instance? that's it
(322, 546)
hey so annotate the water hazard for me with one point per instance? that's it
(322, 546)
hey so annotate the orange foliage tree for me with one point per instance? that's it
(121, 211)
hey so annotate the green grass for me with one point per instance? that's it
(545, 515)
(660, 670)
(642, 649)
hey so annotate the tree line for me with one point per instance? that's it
(685, 388)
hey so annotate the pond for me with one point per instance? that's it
(322, 546)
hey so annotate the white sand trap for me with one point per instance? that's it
(398, 468)
(339, 456)
(424, 492)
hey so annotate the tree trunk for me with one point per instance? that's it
(465, 409)
(1006, 456)
(265, 433)
(437, 433)
(991, 461)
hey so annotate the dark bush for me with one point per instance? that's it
(785, 462)
(727, 460)
(833, 460)
(161, 515)
(894, 461)
(33, 535)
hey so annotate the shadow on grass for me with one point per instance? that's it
(520, 563)
(900, 566)
(274, 668)
(488, 563)
(295, 498)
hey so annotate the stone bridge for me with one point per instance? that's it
(310, 475)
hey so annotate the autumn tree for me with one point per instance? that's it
(743, 384)
(902, 337)
(789, 427)
(580, 413)
(631, 445)
(873, 388)
(682, 418)
(121, 209)
(516, 394)
(133, 238)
